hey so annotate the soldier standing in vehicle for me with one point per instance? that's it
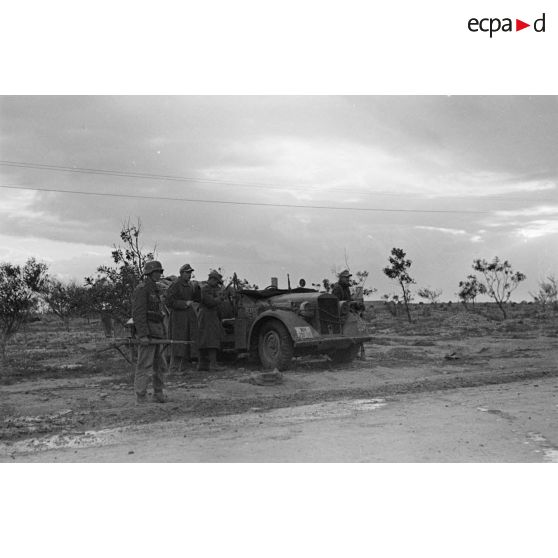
(183, 321)
(209, 322)
(341, 289)
(148, 322)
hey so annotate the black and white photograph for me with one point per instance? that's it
(279, 278)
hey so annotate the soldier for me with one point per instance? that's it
(341, 289)
(148, 322)
(209, 323)
(183, 319)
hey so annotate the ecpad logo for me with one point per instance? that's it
(492, 25)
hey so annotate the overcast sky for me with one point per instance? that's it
(489, 165)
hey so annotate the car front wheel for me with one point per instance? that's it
(275, 346)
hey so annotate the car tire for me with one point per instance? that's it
(275, 346)
(344, 356)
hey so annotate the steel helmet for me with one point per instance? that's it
(152, 266)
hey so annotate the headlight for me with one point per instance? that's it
(344, 308)
(307, 310)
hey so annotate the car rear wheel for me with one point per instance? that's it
(345, 355)
(275, 346)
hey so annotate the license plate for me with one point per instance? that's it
(304, 332)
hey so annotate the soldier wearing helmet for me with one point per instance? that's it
(341, 289)
(209, 323)
(148, 322)
(183, 323)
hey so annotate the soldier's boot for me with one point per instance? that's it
(203, 361)
(213, 360)
(160, 397)
(141, 398)
(187, 366)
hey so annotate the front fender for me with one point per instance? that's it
(297, 326)
(354, 325)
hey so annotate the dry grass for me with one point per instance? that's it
(46, 350)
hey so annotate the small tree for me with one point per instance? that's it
(430, 294)
(547, 294)
(20, 288)
(112, 289)
(500, 280)
(66, 300)
(470, 289)
(360, 281)
(399, 271)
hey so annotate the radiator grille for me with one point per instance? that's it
(328, 311)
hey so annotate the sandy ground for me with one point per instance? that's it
(68, 404)
(516, 422)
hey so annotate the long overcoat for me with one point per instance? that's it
(183, 321)
(209, 322)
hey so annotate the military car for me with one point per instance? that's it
(279, 324)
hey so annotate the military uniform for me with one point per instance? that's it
(342, 289)
(209, 324)
(183, 319)
(148, 322)
(342, 292)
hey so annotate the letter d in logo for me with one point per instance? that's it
(539, 24)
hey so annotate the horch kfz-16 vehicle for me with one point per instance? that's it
(279, 324)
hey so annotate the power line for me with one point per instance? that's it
(252, 204)
(173, 178)
(123, 174)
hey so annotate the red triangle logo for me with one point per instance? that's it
(519, 25)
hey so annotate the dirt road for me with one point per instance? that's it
(514, 422)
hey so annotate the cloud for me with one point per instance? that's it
(50, 251)
(529, 211)
(537, 229)
(456, 232)
(520, 223)
(495, 156)
(18, 203)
